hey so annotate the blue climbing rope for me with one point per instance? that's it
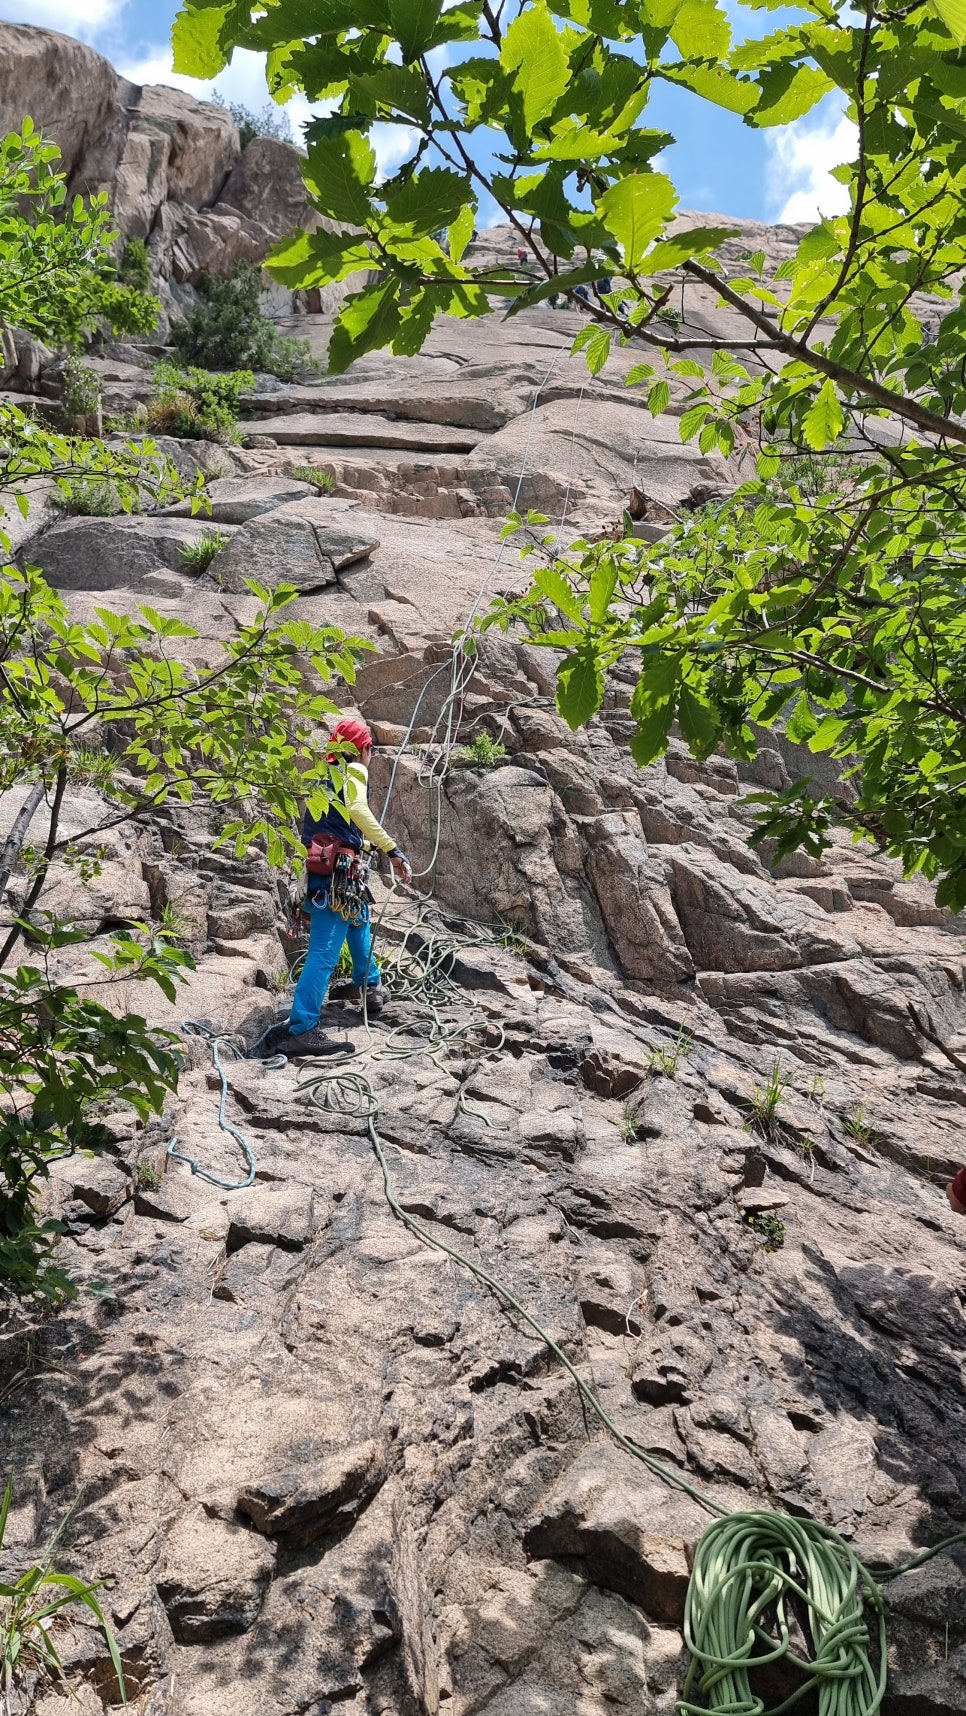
(193, 1028)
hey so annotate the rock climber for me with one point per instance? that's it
(345, 827)
(956, 1193)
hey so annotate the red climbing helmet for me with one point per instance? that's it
(352, 732)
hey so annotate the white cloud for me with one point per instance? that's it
(84, 18)
(802, 155)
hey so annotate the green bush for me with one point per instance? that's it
(227, 329)
(83, 390)
(134, 268)
(195, 404)
(269, 121)
(482, 753)
(86, 499)
(57, 277)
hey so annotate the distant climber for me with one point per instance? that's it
(337, 904)
(521, 256)
(956, 1193)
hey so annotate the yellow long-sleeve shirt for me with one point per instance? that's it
(350, 813)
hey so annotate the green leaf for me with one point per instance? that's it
(396, 87)
(594, 342)
(414, 24)
(553, 585)
(701, 30)
(651, 736)
(580, 688)
(635, 210)
(952, 13)
(428, 200)
(533, 49)
(659, 398)
(696, 721)
(671, 252)
(339, 173)
(461, 231)
(196, 41)
(788, 92)
(824, 420)
(603, 583)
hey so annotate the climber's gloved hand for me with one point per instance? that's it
(401, 865)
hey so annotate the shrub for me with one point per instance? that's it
(92, 766)
(87, 499)
(134, 268)
(323, 480)
(194, 404)
(197, 556)
(148, 1177)
(483, 752)
(770, 1227)
(227, 329)
(269, 121)
(57, 277)
(82, 391)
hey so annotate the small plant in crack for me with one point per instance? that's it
(322, 480)
(197, 556)
(630, 1127)
(765, 1103)
(175, 926)
(514, 941)
(816, 1090)
(664, 1061)
(149, 1176)
(770, 1229)
(483, 752)
(856, 1124)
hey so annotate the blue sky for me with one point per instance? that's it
(717, 164)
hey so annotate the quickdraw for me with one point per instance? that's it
(349, 892)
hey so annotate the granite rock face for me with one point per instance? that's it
(173, 166)
(323, 1468)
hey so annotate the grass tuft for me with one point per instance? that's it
(197, 556)
(314, 474)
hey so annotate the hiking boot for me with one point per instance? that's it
(352, 993)
(302, 1044)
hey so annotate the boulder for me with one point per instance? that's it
(235, 500)
(301, 542)
(129, 552)
(362, 429)
(637, 1535)
(266, 185)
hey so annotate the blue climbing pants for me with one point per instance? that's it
(327, 934)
